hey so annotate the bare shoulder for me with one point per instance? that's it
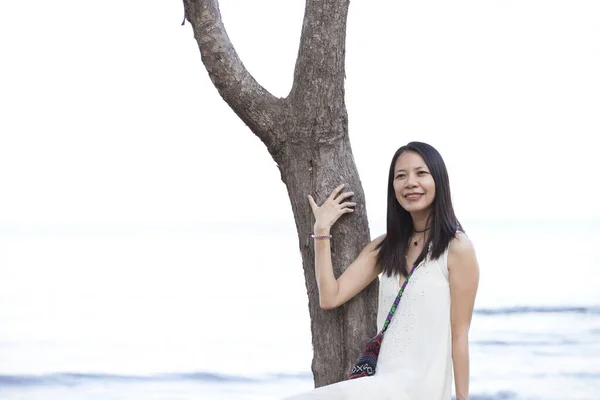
(461, 244)
(372, 248)
(374, 244)
(461, 252)
(378, 240)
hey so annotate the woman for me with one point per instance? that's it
(427, 338)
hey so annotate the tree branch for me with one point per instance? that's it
(320, 67)
(247, 98)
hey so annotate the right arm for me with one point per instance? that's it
(335, 292)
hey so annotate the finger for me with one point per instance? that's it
(344, 196)
(347, 210)
(348, 204)
(336, 191)
(313, 205)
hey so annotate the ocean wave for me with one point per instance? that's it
(502, 395)
(528, 343)
(72, 379)
(76, 379)
(20, 382)
(593, 376)
(538, 310)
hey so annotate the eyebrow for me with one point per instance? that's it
(416, 168)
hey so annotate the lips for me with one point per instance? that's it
(413, 196)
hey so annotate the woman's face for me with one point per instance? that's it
(413, 183)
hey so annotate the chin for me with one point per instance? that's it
(416, 208)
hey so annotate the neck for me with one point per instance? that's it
(420, 221)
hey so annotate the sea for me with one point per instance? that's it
(212, 311)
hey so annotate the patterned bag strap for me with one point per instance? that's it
(397, 301)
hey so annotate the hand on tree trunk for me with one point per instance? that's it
(331, 210)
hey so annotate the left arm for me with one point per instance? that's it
(464, 279)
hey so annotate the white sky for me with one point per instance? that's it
(108, 116)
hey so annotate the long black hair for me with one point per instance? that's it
(442, 220)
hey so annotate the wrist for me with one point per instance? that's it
(321, 230)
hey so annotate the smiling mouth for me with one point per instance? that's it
(413, 196)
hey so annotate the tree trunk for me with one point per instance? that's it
(307, 135)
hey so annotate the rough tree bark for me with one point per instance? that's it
(306, 133)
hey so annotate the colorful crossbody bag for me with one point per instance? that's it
(367, 362)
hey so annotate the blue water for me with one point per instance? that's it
(514, 356)
(148, 317)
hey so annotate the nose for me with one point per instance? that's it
(411, 181)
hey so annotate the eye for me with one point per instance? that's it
(400, 176)
(421, 173)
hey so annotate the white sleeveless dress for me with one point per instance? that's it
(415, 360)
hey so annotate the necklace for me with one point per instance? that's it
(416, 242)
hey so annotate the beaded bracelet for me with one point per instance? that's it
(312, 235)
